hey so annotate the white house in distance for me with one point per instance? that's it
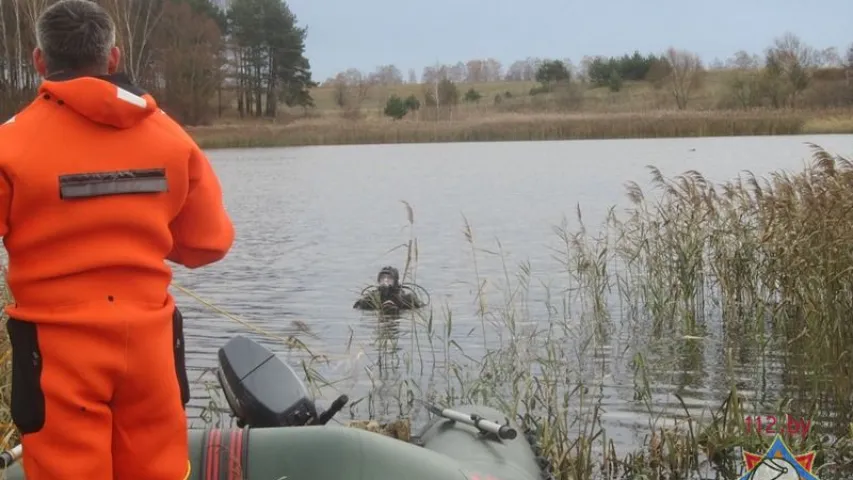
(228, 67)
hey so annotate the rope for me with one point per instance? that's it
(290, 340)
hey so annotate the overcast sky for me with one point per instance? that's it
(412, 34)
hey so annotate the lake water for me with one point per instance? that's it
(314, 226)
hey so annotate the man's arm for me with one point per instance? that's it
(202, 232)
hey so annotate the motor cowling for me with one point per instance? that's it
(262, 390)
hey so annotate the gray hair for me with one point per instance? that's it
(75, 35)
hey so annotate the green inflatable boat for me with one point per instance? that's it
(280, 434)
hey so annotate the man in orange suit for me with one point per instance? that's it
(98, 187)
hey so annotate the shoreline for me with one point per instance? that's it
(522, 127)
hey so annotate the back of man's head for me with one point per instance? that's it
(75, 36)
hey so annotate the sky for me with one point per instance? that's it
(412, 34)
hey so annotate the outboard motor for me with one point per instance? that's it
(262, 391)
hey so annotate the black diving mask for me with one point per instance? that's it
(386, 281)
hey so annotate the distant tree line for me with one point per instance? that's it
(780, 78)
(194, 57)
(200, 61)
(598, 70)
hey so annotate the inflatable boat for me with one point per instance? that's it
(281, 434)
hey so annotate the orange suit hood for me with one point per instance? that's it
(108, 100)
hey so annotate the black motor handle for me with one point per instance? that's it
(336, 407)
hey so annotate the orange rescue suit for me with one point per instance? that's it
(98, 187)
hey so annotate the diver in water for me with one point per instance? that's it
(389, 294)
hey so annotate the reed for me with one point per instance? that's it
(753, 264)
(519, 127)
(745, 271)
(8, 432)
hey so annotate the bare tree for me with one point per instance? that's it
(523, 70)
(849, 65)
(32, 10)
(494, 70)
(386, 75)
(341, 91)
(182, 62)
(136, 20)
(18, 81)
(457, 72)
(790, 65)
(413, 76)
(434, 74)
(515, 72)
(532, 65)
(743, 79)
(475, 71)
(743, 60)
(6, 72)
(570, 66)
(582, 71)
(19, 43)
(829, 58)
(187, 49)
(351, 88)
(685, 76)
(480, 71)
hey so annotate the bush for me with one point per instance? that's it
(629, 67)
(615, 81)
(472, 96)
(412, 103)
(395, 107)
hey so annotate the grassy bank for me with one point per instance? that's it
(520, 127)
(8, 433)
(719, 89)
(759, 266)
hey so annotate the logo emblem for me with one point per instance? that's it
(778, 463)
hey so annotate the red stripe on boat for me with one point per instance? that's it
(232, 468)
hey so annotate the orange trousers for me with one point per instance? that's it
(103, 401)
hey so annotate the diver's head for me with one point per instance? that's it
(388, 279)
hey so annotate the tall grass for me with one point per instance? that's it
(521, 127)
(8, 432)
(755, 271)
(763, 266)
